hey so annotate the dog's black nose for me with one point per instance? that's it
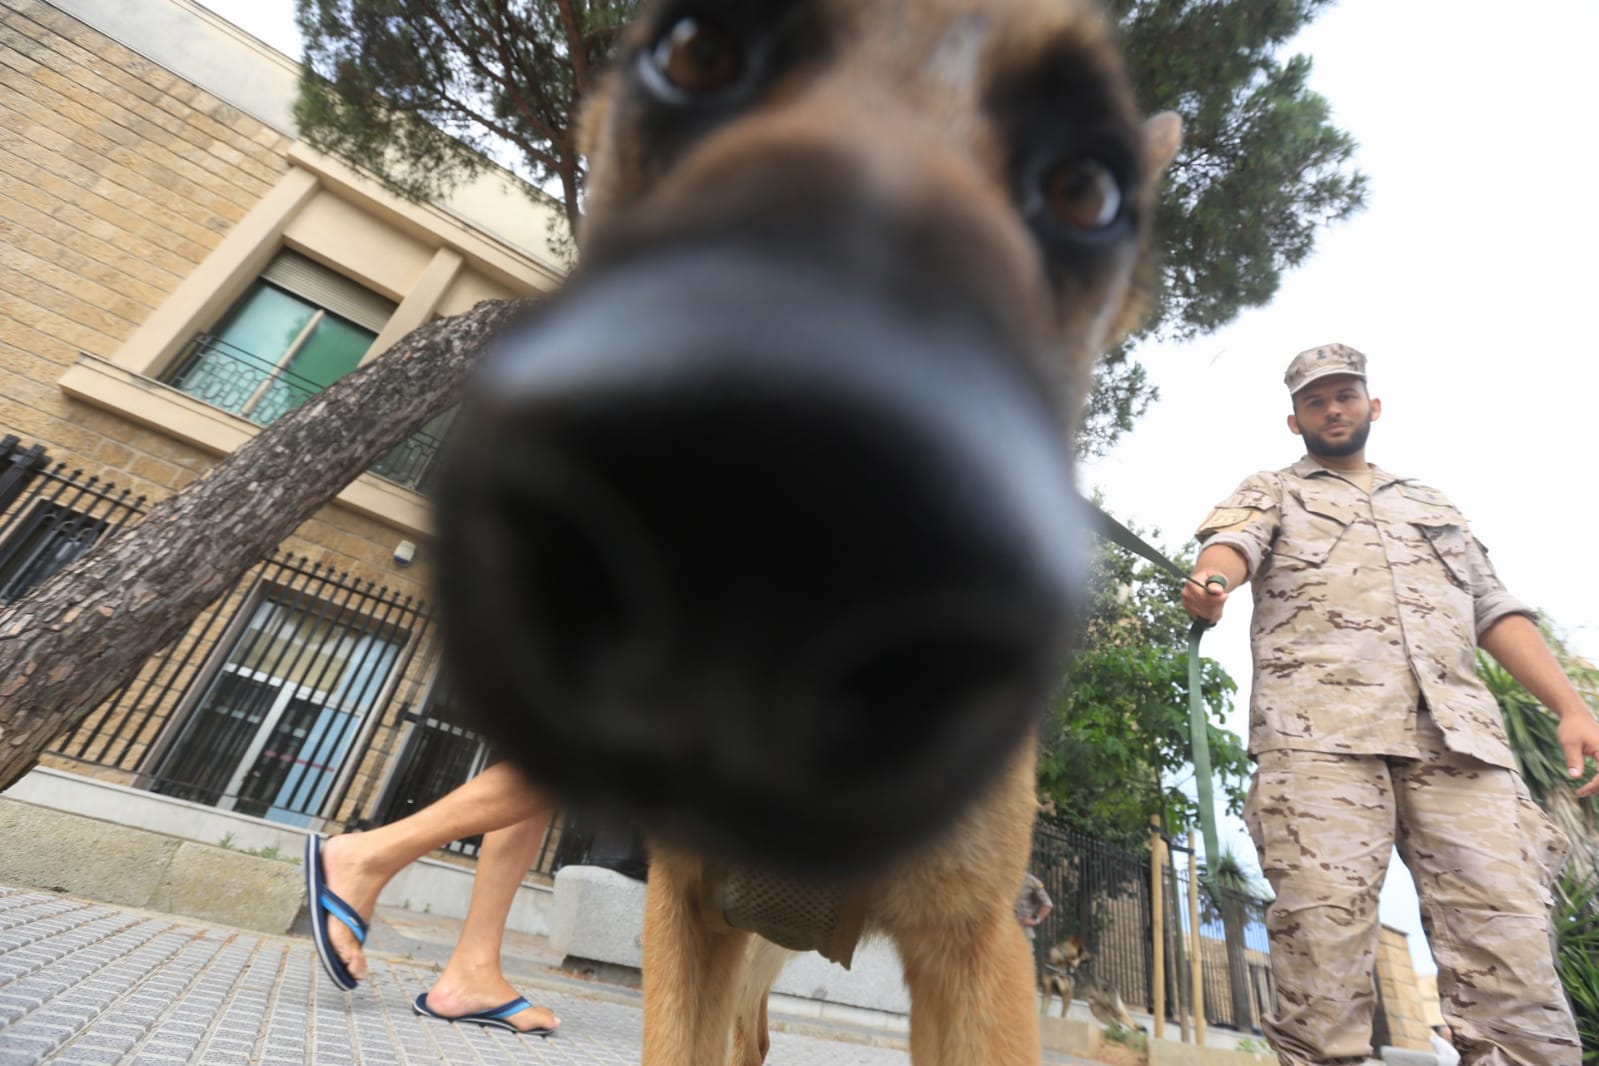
(745, 550)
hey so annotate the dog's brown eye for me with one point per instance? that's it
(1083, 194)
(698, 57)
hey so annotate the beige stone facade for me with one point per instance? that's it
(1405, 1006)
(138, 210)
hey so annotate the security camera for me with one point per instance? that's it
(404, 552)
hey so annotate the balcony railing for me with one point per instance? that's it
(242, 383)
(413, 463)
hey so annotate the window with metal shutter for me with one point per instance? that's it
(328, 289)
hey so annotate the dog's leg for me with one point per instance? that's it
(752, 1036)
(969, 997)
(968, 966)
(691, 974)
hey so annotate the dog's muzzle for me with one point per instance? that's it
(775, 559)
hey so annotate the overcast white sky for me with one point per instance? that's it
(1468, 282)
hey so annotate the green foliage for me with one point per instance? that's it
(1577, 956)
(1117, 737)
(1262, 166)
(1117, 1034)
(1233, 891)
(271, 851)
(1530, 729)
(420, 91)
(1250, 1046)
(424, 93)
(1261, 170)
(1532, 732)
(1232, 875)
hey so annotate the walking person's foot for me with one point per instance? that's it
(349, 878)
(457, 998)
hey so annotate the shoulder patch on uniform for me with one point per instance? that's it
(1222, 517)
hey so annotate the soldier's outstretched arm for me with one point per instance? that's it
(1236, 536)
(1514, 640)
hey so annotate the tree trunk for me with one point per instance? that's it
(72, 642)
(1232, 921)
(1175, 952)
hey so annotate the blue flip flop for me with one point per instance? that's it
(325, 904)
(495, 1018)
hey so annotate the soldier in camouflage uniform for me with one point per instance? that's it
(1033, 905)
(1370, 729)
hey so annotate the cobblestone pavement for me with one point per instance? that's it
(85, 983)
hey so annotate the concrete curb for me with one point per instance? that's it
(112, 863)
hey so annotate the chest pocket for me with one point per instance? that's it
(1313, 522)
(1444, 530)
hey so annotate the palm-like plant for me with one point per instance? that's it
(1531, 730)
(1577, 955)
(1234, 892)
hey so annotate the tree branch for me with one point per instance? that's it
(576, 49)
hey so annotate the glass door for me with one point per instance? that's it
(271, 732)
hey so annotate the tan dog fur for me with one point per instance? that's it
(900, 100)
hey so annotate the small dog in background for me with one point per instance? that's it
(1058, 975)
(1061, 976)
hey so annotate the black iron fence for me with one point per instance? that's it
(1103, 896)
(302, 694)
(269, 701)
(17, 467)
(1235, 962)
(49, 516)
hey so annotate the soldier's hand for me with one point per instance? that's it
(1579, 738)
(1207, 602)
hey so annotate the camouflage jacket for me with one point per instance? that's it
(1033, 899)
(1364, 605)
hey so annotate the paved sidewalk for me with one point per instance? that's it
(89, 984)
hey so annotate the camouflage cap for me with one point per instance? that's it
(1324, 361)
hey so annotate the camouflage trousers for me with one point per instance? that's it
(1483, 857)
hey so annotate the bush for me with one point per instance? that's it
(1577, 955)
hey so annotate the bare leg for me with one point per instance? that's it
(472, 980)
(358, 865)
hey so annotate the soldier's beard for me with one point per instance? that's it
(1323, 448)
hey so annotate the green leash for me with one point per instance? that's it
(1199, 739)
